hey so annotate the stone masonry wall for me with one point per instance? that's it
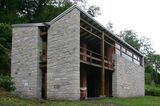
(63, 65)
(25, 62)
(127, 79)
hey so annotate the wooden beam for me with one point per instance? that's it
(102, 73)
(90, 25)
(92, 39)
(89, 63)
(43, 33)
(90, 32)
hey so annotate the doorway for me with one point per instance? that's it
(93, 85)
(108, 83)
(44, 84)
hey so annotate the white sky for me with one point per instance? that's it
(142, 16)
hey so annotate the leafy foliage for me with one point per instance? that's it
(42, 10)
(148, 78)
(9, 10)
(153, 67)
(6, 83)
(5, 45)
(152, 90)
(131, 38)
(49, 11)
(94, 10)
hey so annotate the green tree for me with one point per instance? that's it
(141, 44)
(149, 74)
(50, 10)
(45, 10)
(131, 38)
(9, 11)
(94, 10)
(5, 46)
(155, 61)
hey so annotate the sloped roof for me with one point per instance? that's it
(99, 25)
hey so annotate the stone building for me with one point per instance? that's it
(73, 57)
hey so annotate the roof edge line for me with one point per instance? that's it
(64, 13)
(30, 24)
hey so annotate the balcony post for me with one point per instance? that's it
(102, 73)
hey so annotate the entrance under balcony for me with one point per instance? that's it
(96, 66)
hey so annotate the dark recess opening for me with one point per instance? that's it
(44, 83)
(93, 83)
(43, 61)
(108, 79)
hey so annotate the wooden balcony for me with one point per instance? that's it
(92, 58)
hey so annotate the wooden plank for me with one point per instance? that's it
(42, 65)
(89, 63)
(90, 32)
(90, 25)
(94, 58)
(43, 33)
(91, 51)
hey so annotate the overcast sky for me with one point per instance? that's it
(142, 16)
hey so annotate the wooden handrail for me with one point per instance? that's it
(90, 51)
(43, 33)
(92, 58)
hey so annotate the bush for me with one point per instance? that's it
(6, 83)
(5, 46)
(152, 90)
(148, 78)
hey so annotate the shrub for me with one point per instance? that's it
(152, 90)
(6, 83)
(5, 46)
(148, 78)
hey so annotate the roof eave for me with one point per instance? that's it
(29, 25)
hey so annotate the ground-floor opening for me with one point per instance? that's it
(93, 85)
(90, 81)
(44, 83)
(108, 83)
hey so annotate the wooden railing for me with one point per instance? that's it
(93, 58)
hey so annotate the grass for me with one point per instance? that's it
(10, 100)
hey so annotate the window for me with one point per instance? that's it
(123, 49)
(117, 46)
(137, 62)
(117, 51)
(127, 54)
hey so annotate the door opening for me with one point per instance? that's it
(93, 85)
(108, 83)
(44, 84)
(43, 60)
